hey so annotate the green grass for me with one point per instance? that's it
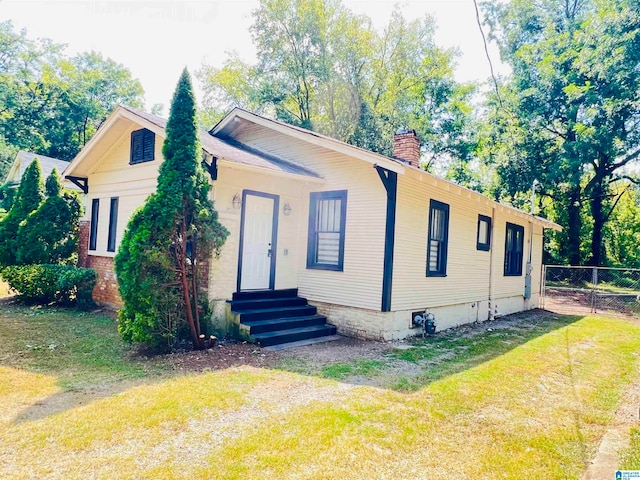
(508, 403)
(631, 458)
(360, 367)
(81, 349)
(450, 352)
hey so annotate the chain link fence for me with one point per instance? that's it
(591, 289)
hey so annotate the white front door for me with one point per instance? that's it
(258, 251)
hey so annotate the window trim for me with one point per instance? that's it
(113, 224)
(312, 244)
(516, 228)
(93, 228)
(482, 245)
(437, 205)
(142, 134)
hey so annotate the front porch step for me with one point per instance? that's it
(262, 303)
(276, 312)
(275, 317)
(275, 324)
(278, 337)
(258, 294)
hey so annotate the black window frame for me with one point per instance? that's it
(312, 239)
(147, 140)
(513, 260)
(113, 224)
(93, 231)
(443, 248)
(484, 246)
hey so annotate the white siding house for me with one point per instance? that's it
(368, 240)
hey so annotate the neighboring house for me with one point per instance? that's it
(367, 240)
(23, 159)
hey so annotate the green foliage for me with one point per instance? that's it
(7, 194)
(324, 68)
(27, 199)
(623, 229)
(570, 115)
(64, 284)
(168, 237)
(50, 233)
(51, 103)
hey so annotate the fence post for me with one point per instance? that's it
(594, 282)
(543, 283)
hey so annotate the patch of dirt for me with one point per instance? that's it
(229, 353)
(225, 354)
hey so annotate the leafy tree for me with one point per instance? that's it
(174, 232)
(570, 115)
(323, 68)
(52, 104)
(623, 230)
(27, 199)
(50, 233)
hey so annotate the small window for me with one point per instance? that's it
(514, 245)
(438, 239)
(93, 235)
(327, 215)
(483, 241)
(113, 223)
(142, 146)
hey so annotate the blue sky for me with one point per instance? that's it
(156, 39)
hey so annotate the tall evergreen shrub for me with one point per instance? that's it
(174, 231)
(50, 233)
(27, 199)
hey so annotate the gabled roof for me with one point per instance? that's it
(225, 150)
(23, 159)
(225, 129)
(221, 129)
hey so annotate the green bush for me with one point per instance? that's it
(66, 284)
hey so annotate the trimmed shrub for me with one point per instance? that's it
(65, 284)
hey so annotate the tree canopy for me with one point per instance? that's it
(324, 68)
(51, 103)
(569, 116)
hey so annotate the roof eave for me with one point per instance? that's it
(310, 137)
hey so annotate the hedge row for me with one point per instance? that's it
(46, 283)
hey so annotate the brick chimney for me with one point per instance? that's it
(406, 146)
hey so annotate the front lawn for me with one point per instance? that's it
(78, 404)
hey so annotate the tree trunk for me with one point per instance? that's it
(185, 287)
(574, 225)
(597, 206)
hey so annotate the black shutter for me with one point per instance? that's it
(148, 145)
(136, 146)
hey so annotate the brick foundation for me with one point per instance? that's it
(106, 290)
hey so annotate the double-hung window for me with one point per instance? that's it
(327, 216)
(437, 239)
(513, 248)
(142, 146)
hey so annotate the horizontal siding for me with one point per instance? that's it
(472, 275)
(360, 282)
(112, 176)
(467, 268)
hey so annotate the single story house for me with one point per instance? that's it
(23, 159)
(319, 229)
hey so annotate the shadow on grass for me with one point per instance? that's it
(82, 351)
(415, 364)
